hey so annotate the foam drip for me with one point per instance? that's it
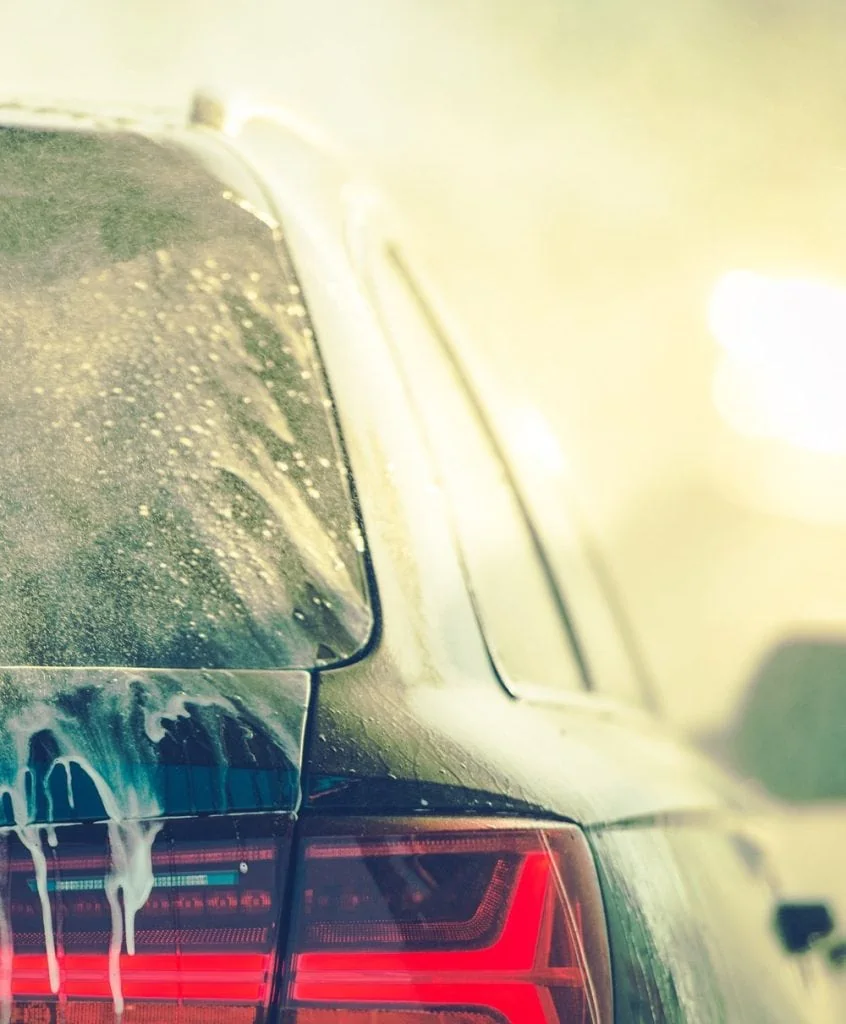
(106, 727)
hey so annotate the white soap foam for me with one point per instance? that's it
(112, 742)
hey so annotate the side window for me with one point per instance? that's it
(517, 601)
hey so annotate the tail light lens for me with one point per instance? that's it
(199, 949)
(393, 922)
(448, 924)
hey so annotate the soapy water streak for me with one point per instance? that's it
(131, 874)
(118, 766)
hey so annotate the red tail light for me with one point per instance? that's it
(393, 922)
(447, 923)
(201, 948)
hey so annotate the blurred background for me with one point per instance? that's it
(637, 213)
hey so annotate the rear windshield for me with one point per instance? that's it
(172, 490)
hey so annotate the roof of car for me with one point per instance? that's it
(206, 108)
(86, 115)
(207, 113)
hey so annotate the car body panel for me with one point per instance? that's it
(577, 759)
(690, 910)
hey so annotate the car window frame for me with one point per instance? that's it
(614, 672)
(385, 246)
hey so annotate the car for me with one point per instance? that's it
(300, 717)
(787, 736)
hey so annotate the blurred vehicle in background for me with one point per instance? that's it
(297, 714)
(788, 736)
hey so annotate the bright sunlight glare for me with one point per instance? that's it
(782, 371)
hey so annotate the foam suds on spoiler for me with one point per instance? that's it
(110, 738)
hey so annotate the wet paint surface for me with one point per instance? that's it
(690, 929)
